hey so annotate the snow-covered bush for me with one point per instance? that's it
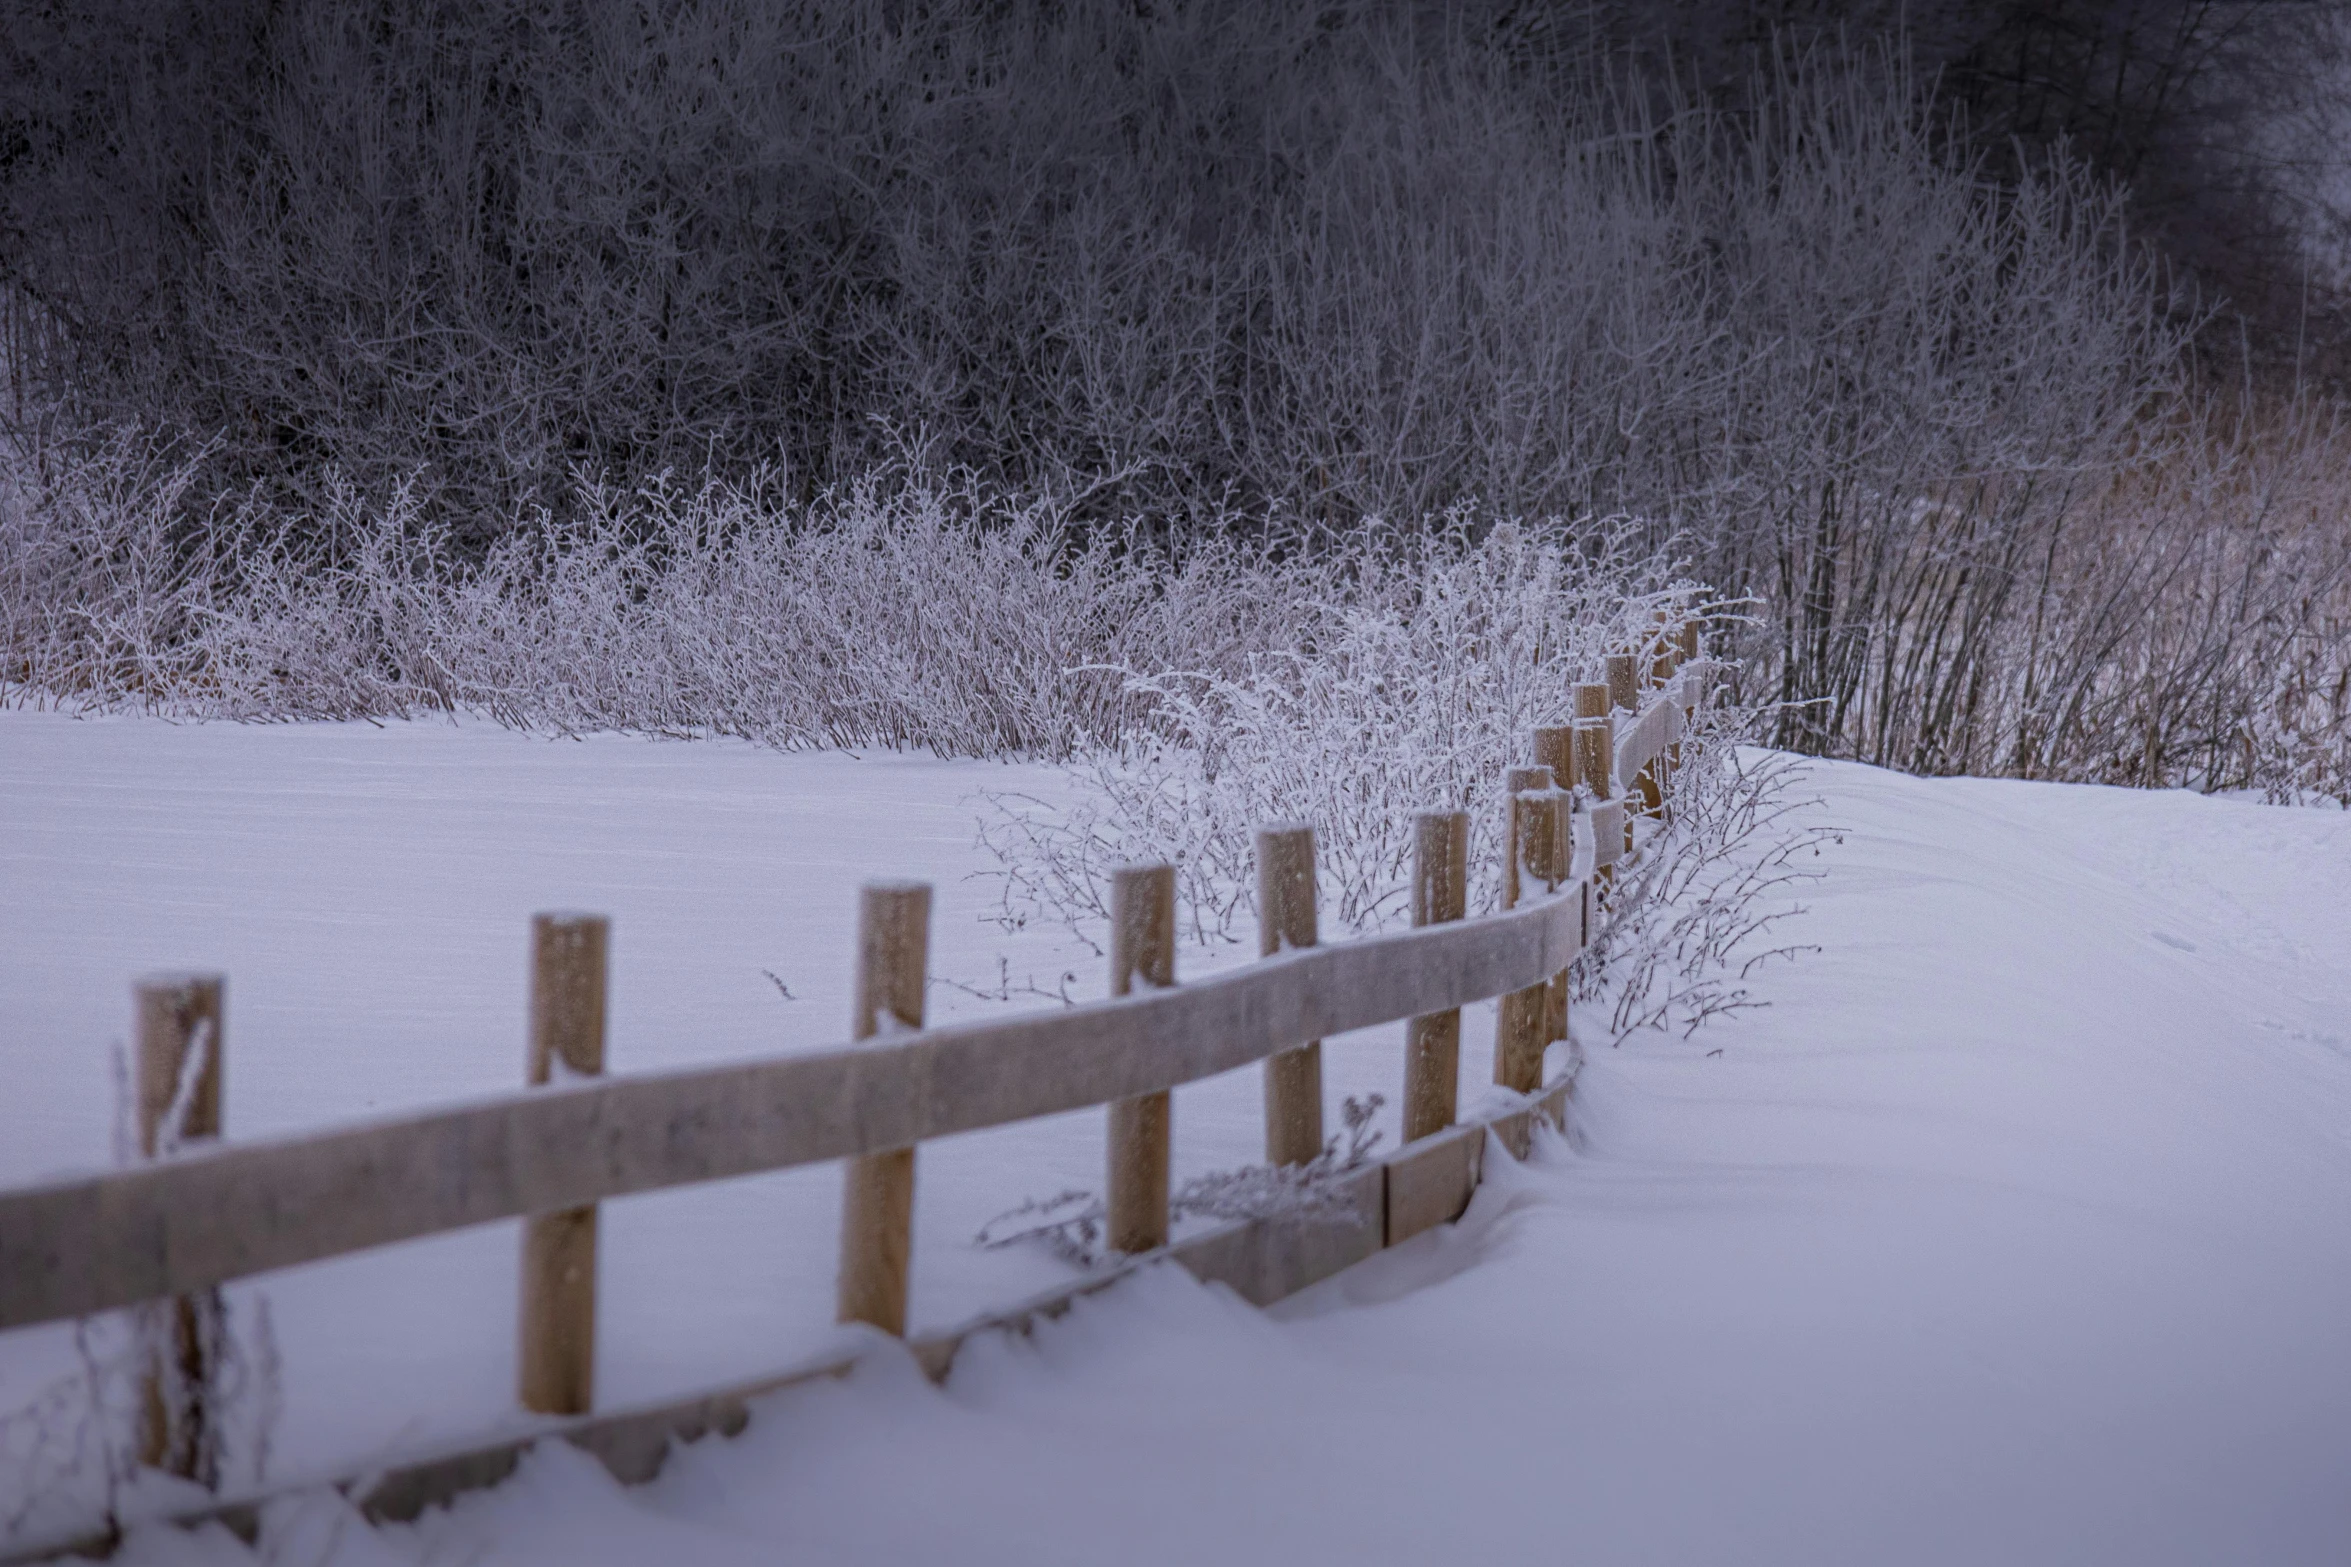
(901, 613)
(1418, 670)
(1428, 674)
(1692, 914)
(70, 1449)
(906, 612)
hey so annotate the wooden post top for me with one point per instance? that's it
(1440, 866)
(569, 957)
(1624, 682)
(1142, 927)
(893, 956)
(1285, 887)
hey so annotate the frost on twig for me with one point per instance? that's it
(1306, 1191)
(1005, 990)
(1068, 1224)
(1691, 914)
(71, 1451)
(1071, 1224)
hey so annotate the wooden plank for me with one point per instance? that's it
(1638, 743)
(1607, 818)
(1430, 1181)
(80, 1245)
(634, 1443)
(1267, 1259)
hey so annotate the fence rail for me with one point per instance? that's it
(72, 1247)
(202, 1216)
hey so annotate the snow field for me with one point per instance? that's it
(2016, 1229)
(368, 890)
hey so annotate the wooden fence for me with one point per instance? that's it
(205, 1212)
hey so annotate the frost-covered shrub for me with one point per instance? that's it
(1428, 673)
(1694, 912)
(899, 613)
(1418, 670)
(904, 612)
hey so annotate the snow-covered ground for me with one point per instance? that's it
(2016, 1229)
(367, 890)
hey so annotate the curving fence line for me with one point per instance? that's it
(207, 1212)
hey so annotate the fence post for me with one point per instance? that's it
(1624, 695)
(1517, 823)
(1432, 1042)
(1286, 919)
(877, 1202)
(1595, 740)
(1685, 651)
(1665, 645)
(1521, 1021)
(178, 1092)
(1555, 993)
(556, 1339)
(1624, 682)
(1595, 766)
(1555, 749)
(1142, 947)
(1561, 810)
(1649, 782)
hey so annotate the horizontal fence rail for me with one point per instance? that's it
(72, 1247)
(1641, 741)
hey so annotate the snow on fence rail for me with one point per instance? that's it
(205, 1213)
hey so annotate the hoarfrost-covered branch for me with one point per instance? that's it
(1687, 920)
(1071, 1225)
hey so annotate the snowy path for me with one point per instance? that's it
(2018, 1229)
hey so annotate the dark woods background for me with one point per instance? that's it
(2226, 122)
(1056, 242)
(1965, 337)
